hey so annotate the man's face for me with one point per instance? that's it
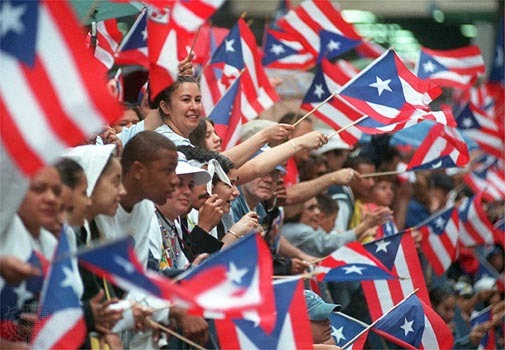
(262, 188)
(321, 331)
(159, 178)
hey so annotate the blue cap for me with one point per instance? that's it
(318, 309)
(266, 148)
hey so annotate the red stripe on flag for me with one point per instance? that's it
(21, 153)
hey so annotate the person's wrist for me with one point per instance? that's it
(234, 234)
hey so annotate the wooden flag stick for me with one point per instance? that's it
(315, 109)
(383, 173)
(377, 320)
(348, 126)
(175, 334)
(194, 41)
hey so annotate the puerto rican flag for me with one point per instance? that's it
(398, 253)
(308, 19)
(352, 262)
(334, 44)
(50, 83)
(291, 329)
(117, 262)
(413, 324)
(15, 296)
(488, 341)
(133, 48)
(336, 112)
(440, 238)
(345, 328)
(61, 322)
(238, 53)
(106, 42)
(227, 116)
(245, 293)
(457, 68)
(443, 147)
(389, 92)
(475, 227)
(283, 51)
(490, 178)
(482, 129)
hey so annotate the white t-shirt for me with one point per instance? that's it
(136, 224)
(177, 139)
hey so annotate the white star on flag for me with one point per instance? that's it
(439, 222)
(407, 326)
(382, 246)
(125, 264)
(338, 333)
(333, 45)
(235, 274)
(23, 294)
(11, 18)
(229, 45)
(69, 278)
(353, 268)
(467, 123)
(381, 85)
(277, 49)
(318, 91)
(428, 67)
(437, 164)
(144, 34)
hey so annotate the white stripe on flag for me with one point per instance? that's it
(65, 76)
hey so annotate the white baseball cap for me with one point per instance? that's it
(334, 142)
(200, 176)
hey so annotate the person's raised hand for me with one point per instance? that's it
(186, 65)
(210, 213)
(276, 133)
(310, 141)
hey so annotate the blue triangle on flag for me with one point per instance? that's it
(334, 44)
(318, 90)
(19, 29)
(275, 50)
(466, 119)
(428, 66)
(379, 84)
(230, 50)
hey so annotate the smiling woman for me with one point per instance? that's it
(180, 108)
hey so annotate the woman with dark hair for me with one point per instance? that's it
(205, 136)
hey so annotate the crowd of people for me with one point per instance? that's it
(160, 176)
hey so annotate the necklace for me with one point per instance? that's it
(170, 250)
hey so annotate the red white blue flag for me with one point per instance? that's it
(414, 325)
(475, 227)
(344, 328)
(50, 83)
(133, 48)
(488, 341)
(443, 147)
(489, 176)
(246, 292)
(334, 44)
(336, 112)
(398, 253)
(227, 116)
(283, 51)
(440, 238)
(106, 42)
(14, 296)
(352, 262)
(61, 322)
(117, 262)
(291, 330)
(238, 55)
(390, 93)
(457, 68)
(481, 128)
